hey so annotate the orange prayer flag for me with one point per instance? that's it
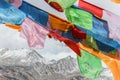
(13, 26)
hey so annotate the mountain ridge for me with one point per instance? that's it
(27, 64)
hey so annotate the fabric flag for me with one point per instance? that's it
(79, 17)
(16, 27)
(112, 19)
(113, 24)
(118, 52)
(99, 29)
(16, 3)
(116, 1)
(78, 34)
(91, 8)
(60, 24)
(60, 5)
(75, 34)
(55, 5)
(71, 44)
(100, 32)
(10, 14)
(34, 33)
(90, 66)
(97, 45)
(35, 13)
(90, 41)
(49, 28)
(113, 64)
(103, 47)
(114, 54)
(69, 35)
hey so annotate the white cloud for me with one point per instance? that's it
(10, 38)
(53, 49)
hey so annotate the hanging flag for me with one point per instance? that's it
(60, 24)
(60, 5)
(55, 5)
(49, 28)
(13, 26)
(90, 66)
(97, 45)
(79, 17)
(100, 32)
(78, 34)
(10, 14)
(75, 34)
(103, 47)
(35, 13)
(34, 33)
(114, 54)
(69, 35)
(116, 1)
(91, 42)
(106, 5)
(91, 8)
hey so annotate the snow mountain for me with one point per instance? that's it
(27, 64)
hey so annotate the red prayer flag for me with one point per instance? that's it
(91, 8)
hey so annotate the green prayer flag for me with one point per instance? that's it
(79, 17)
(90, 66)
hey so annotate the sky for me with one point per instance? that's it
(53, 49)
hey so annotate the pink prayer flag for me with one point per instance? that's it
(34, 33)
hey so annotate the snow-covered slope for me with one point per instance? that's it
(27, 64)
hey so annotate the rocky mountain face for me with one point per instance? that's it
(27, 64)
